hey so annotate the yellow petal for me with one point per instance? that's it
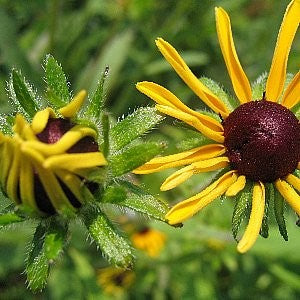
(19, 125)
(192, 121)
(289, 194)
(5, 161)
(236, 187)
(288, 29)
(164, 97)
(180, 159)
(68, 140)
(74, 106)
(199, 167)
(256, 217)
(210, 99)
(238, 77)
(291, 95)
(41, 118)
(73, 161)
(187, 208)
(294, 181)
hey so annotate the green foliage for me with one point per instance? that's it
(279, 214)
(9, 218)
(264, 231)
(113, 246)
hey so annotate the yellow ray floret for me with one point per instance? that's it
(288, 29)
(236, 187)
(180, 159)
(291, 95)
(256, 217)
(40, 119)
(238, 77)
(198, 167)
(74, 106)
(289, 194)
(186, 209)
(209, 98)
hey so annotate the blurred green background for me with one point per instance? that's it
(198, 261)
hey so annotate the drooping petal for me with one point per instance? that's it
(291, 96)
(164, 97)
(74, 106)
(192, 121)
(208, 97)
(294, 181)
(186, 209)
(289, 194)
(180, 159)
(236, 187)
(41, 118)
(238, 77)
(256, 217)
(198, 167)
(288, 29)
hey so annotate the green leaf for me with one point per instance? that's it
(9, 218)
(229, 101)
(259, 86)
(22, 94)
(37, 267)
(133, 157)
(193, 142)
(242, 204)
(58, 89)
(105, 130)
(97, 103)
(113, 246)
(4, 125)
(129, 195)
(133, 126)
(296, 110)
(264, 230)
(279, 214)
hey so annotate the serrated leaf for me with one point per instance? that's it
(113, 246)
(242, 204)
(23, 94)
(37, 267)
(9, 218)
(228, 100)
(264, 230)
(129, 195)
(58, 89)
(133, 126)
(279, 214)
(133, 157)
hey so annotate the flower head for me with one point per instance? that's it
(259, 141)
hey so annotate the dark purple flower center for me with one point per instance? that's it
(262, 140)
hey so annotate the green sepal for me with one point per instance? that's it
(4, 125)
(58, 90)
(296, 110)
(133, 126)
(133, 157)
(48, 242)
(105, 131)
(22, 95)
(10, 218)
(230, 102)
(131, 196)
(264, 230)
(241, 208)
(193, 142)
(258, 87)
(279, 214)
(97, 103)
(112, 244)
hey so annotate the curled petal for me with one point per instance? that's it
(199, 167)
(189, 207)
(289, 194)
(180, 159)
(288, 29)
(236, 187)
(71, 109)
(256, 217)
(238, 77)
(291, 96)
(41, 118)
(209, 98)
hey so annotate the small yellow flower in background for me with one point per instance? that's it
(43, 163)
(115, 281)
(149, 240)
(259, 141)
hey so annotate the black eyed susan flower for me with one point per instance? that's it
(259, 141)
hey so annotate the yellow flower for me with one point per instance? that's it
(150, 240)
(259, 141)
(115, 281)
(43, 163)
